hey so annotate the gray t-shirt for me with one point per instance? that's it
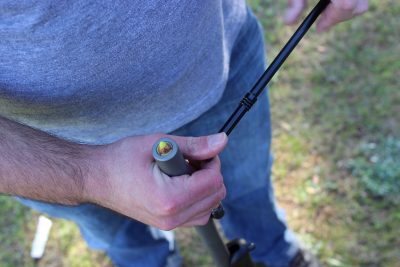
(97, 71)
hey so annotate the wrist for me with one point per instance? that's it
(96, 179)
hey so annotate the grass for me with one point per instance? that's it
(65, 246)
(337, 94)
(376, 166)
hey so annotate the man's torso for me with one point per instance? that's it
(97, 71)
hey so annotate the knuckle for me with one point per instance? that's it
(222, 193)
(165, 206)
(196, 144)
(169, 207)
(192, 144)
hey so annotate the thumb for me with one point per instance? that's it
(201, 148)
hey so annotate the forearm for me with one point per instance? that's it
(36, 165)
(121, 176)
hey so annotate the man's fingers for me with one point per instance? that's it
(294, 10)
(204, 182)
(201, 148)
(198, 213)
(337, 11)
(189, 196)
(185, 190)
(331, 16)
(192, 213)
(200, 219)
(341, 10)
(196, 148)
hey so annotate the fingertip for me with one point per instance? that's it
(216, 141)
(203, 147)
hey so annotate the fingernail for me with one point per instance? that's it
(216, 139)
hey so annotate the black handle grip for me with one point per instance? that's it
(171, 162)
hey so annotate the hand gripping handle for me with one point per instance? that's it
(171, 162)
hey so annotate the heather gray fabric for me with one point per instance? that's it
(96, 71)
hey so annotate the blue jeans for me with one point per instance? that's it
(250, 207)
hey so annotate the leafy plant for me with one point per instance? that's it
(377, 166)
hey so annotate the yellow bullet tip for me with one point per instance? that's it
(164, 148)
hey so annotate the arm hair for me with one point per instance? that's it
(36, 165)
